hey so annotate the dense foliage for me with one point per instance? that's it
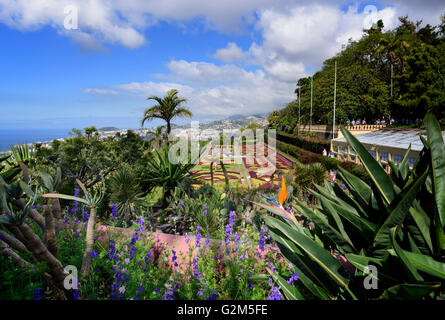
(415, 53)
(395, 224)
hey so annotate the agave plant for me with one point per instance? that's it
(125, 191)
(161, 172)
(395, 224)
(21, 153)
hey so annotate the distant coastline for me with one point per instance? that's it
(10, 137)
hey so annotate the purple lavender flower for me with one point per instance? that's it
(198, 236)
(196, 272)
(261, 242)
(293, 278)
(204, 210)
(274, 292)
(93, 254)
(174, 258)
(37, 294)
(213, 296)
(148, 257)
(114, 212)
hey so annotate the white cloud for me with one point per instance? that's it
(97, 19)
(230, 54)
(124, 22)
(233, 90)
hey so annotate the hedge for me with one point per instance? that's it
(308, 143)
(307, 157)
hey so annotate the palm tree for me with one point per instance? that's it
(166, 109)
(158, 135)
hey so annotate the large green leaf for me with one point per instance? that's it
(64, 196)
(411, 270)
(318, 254)
(363, 226)
(278, 211)
(381, 180)
(361, 262)
(289, 291)
(399, 210)
(409, 291)
(423, 223)
(426, 264)
(359, 189)
(437, 146)
(342, 240)
(310, 274)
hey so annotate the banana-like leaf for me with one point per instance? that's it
(397, 215)
(318, 254)
(316, 282)
(342, 240)
(65, 196)
(359, 189)
(278, 211)
(437, 146)
(412, 245)
(381, 180)
(290, 292)
(363, 226)
(408, 291)
(426, 264)
(411, 270)
(361, 262)
(331, 195)
(423, 222)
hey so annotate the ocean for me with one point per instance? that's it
(10, 137)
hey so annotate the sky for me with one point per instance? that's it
(77, 63)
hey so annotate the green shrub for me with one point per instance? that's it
(306, 142)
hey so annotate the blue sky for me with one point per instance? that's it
(230, 58)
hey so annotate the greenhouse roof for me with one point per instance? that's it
(400, 139)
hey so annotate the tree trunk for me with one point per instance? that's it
(56, 209)
(39, 250)
(6, 250)
(12, 241)
(50, 231)
(17, 233)
(86, 262)
(169, 128)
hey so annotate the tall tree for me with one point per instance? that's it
(166, 109)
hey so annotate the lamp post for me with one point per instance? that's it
(299, 109)
(310, 119)
(335, 97)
